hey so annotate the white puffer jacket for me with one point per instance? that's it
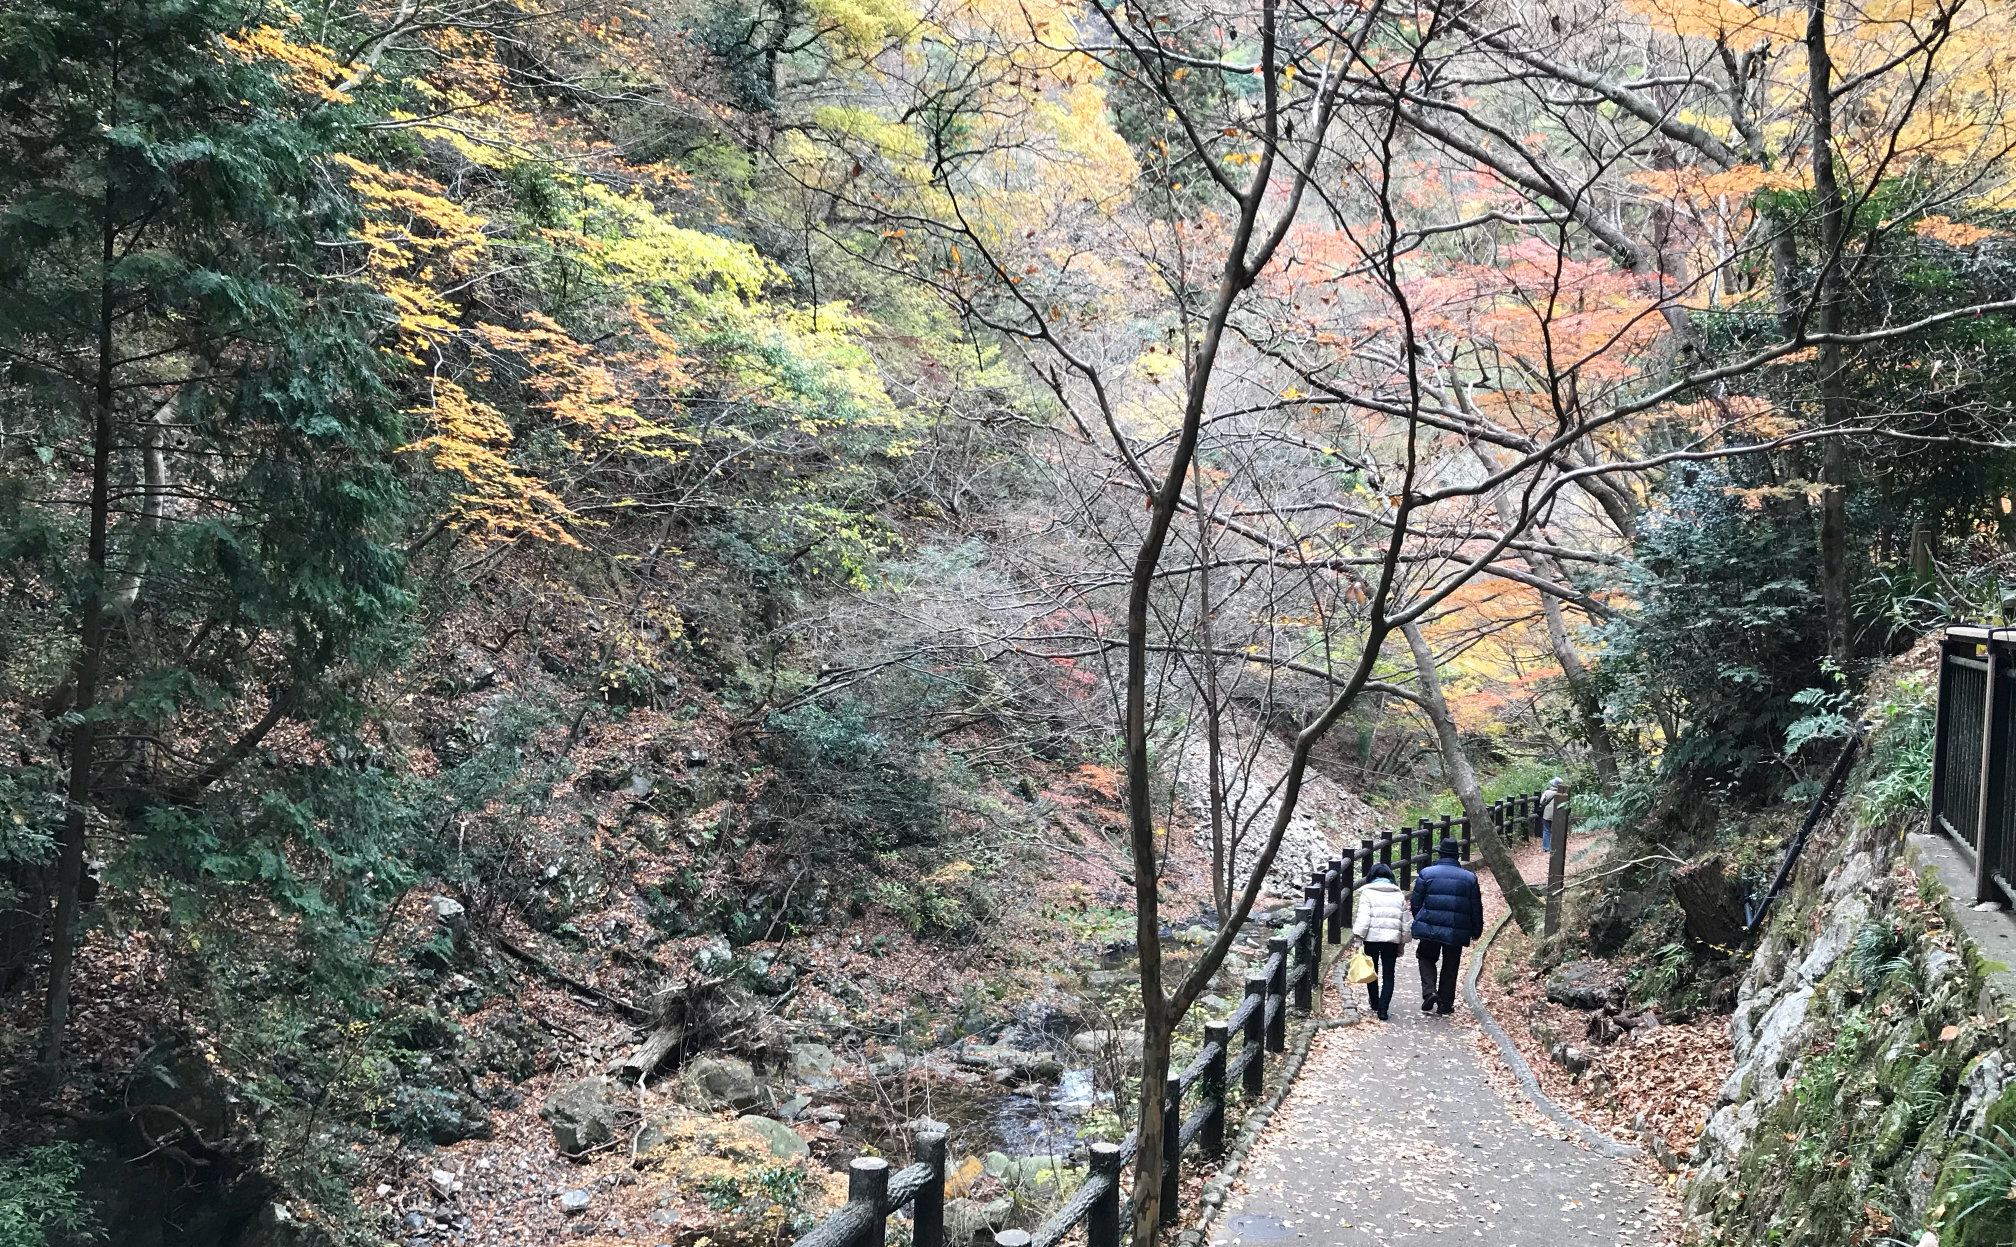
(1382, 913)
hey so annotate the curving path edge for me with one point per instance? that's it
(1591, 1137)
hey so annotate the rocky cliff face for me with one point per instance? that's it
(1871, 1040)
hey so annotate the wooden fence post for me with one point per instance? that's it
(1557, 868)
(1308, 955)
(1102, 1220)
(1365, 867)
(1469, 838)
(1442, 833)
(1172, 1146)
(1277, 994)
(927, 1218)
(1346, 892)
(868, 1183)
(1254, 1077)
(1404, 867)
(1334, 899)
(1214, 1086)
(1519, 818)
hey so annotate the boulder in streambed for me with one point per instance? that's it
(784, 1141)
(718, 1082)
(584, 1115)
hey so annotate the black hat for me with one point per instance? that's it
(1452, 848)
(1381, 870)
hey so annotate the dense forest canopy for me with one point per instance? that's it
(718, 454)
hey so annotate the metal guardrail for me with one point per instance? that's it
(1974, 754)
(1290, 977)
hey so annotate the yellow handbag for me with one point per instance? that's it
(1360, 971)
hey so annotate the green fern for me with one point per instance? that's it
(1877, 953)
(1990, 1187)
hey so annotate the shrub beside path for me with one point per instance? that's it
(1398, 1133)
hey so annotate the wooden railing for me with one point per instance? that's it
(1290, 977)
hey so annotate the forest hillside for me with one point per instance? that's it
(611, 604)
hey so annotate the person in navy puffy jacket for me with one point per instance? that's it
(1448, 913)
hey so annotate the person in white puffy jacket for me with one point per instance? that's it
(1381, 926)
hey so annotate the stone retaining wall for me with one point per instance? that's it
(1870, 1036)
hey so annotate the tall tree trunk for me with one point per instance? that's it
(1581, 685)
(1581, 691)
(1523, 901)
(1221, 851)
(1828, 364)
(90, 655)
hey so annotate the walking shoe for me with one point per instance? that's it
(1383, 1017)
(1428, 1006)
(1443, 1013)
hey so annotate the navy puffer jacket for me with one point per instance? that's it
(1448, 905)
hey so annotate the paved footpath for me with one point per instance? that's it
(1393, 1134)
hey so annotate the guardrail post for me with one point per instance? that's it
(1307, 955)
(1277, 994)
(1214, 1086)
(1102, 1220)
(1172, 1145)
(1405, 865)
(1346, 890)
(1557, 869)
(1334, 883)
(1441, 833)
(1427, 836)
(1988, 829)
(927, 1216)
(1253, 1079)
(1469, 838)
(868, 1183)
(1365, 866)
(1525, 816)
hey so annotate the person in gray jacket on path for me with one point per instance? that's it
(1550, 800)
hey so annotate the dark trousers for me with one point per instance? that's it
(1441, 989)
(1379, 992)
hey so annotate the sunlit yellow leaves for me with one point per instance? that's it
(1716, 190)
(858, 128)
(861, 27)
(1724, 21)
(496, 501)
(1951, 232)
(311, 68)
